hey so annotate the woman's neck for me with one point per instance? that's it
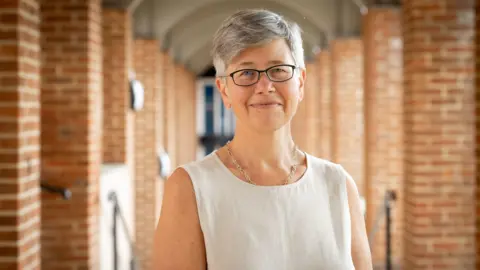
(260, 151)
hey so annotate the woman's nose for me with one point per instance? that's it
(264, 84)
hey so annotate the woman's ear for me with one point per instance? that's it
(223, 89)
(301, 83)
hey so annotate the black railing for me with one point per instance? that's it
(64, 192)
(385, 210)
(117, 214)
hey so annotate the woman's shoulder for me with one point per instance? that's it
(202, 171)
(202, 163)
(189, 176)
(323, 165)
(333, 173)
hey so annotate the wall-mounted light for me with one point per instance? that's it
(164, 163)
(137, 95)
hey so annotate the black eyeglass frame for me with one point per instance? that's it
(259, 72)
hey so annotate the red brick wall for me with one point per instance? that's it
(439, 139)
(147, 69)
(19, 135)
(384, 122)
(71, 131)
(324, 104)
(347, 101)
(117, 39)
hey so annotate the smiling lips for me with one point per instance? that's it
(266, 105)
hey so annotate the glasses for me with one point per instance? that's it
(247, 77)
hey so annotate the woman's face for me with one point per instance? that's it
(266, 105)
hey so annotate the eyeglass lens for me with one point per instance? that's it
(251, 76)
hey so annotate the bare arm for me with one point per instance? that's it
(178, 242)
(362, 258)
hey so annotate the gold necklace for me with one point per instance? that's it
(247, 177)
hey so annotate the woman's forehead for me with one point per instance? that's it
(272, 53)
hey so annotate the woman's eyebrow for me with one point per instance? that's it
(248, 63)
(276, 62)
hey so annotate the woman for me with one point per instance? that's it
(259, 202)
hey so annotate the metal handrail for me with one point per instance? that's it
(384, 210)
(117, 212)
(64, 192)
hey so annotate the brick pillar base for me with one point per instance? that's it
(19, 135)
(439, 102)
(72, 102)
(347, 102)
(384, 126)
(146, 163)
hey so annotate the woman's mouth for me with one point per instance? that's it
(265, 105)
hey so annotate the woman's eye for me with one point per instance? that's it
(276, 70)
(246, 73)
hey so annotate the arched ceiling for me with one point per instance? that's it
(185, 27)
(181, 35)
(206, 20)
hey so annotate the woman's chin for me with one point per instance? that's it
(268, 125)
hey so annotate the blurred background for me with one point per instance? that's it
(101, 100)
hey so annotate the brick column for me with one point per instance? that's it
(298, 126)
(160, 100)
(118, 118)
(170, 115)
(181, 104)
(312, 110)
(146, 164)
(477, 123)
(347, 101)
(384, 125)
(19, 135)
(325, 105)
(439, 102)
(160, 125)
(301, 120)
(185, 115)
(72, 102)
(192, 118)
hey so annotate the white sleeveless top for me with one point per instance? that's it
(301, 226)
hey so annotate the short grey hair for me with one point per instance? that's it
(254, 27)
